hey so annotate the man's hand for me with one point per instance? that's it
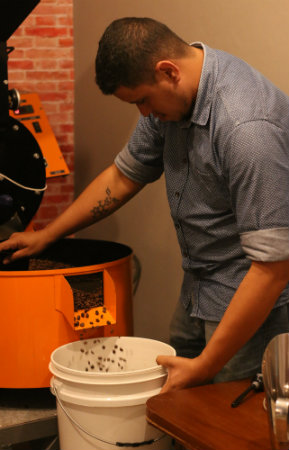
(183, 372)
(23, 245)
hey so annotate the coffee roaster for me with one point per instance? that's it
(22, 166)
(77, 288)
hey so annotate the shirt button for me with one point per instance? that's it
(177, 194)
(177, 225)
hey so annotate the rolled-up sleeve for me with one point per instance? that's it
(266, 245)
(142, 158)
(258, 174)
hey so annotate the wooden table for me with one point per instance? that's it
(202, 418)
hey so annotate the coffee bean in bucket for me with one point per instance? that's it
(98, 355)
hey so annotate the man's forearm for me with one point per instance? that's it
(107, 193)
(248, 309)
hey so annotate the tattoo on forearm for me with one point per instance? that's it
(104, 207)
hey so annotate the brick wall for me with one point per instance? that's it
(42, 62)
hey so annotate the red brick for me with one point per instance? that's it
(46, 64)
(50, 108)
(66, 21)
(16, 75)
(46, 31)
(66, 86)
(45, 75)
(47, 9)
(67, 188)
(22, 42)
(67, 64)
(53, 96)
(66, 148)
(43, 87)
(58, 199)
(46, 20)
(66, 42)
(49, 53)
(24, 64)
(46, 43)
(67, 128)
(18, 32)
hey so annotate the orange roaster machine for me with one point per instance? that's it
(76, 289)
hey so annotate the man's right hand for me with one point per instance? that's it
(23, 245)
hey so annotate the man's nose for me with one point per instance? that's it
(144, 110)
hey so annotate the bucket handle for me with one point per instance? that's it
(117, 444)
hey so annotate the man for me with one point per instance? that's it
(220, 133)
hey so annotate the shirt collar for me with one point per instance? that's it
(202, 107)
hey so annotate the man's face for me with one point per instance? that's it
(163, 99)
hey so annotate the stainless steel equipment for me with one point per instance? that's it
(275, 369)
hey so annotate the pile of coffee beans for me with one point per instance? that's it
(90, 318)
(87, 293)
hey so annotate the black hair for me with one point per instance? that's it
(129, 50)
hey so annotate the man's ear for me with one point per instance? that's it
(169, 70)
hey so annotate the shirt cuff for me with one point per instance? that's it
(266, 245)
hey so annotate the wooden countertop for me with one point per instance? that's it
(202, 418)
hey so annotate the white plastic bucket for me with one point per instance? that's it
(102, 386)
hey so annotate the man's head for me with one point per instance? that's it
(141, 61)
(129, 50)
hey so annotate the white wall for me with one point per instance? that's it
(255, 30)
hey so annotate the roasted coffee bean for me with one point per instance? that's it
(108, 322)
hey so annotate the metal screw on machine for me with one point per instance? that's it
(256, 385)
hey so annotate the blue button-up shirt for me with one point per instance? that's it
(227, 179)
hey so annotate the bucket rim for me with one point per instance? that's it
(110, 376)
